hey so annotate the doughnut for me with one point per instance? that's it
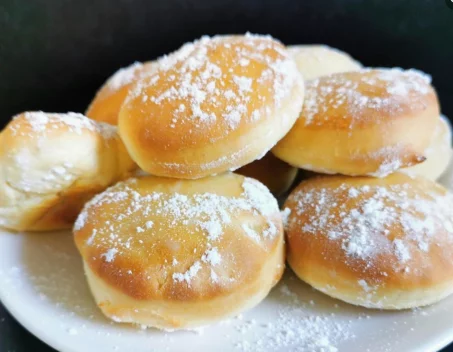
(369, 122)
(106, 105)
(382, 243)
(275, 174)
(51, 164)
(181, 254)
(214, 105)
(314, 61)
(438, 154)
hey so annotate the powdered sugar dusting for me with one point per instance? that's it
(379, 90)
(219, 87)
(189, 274)
(110, 255)
(367, 230)
(41, 122)
(295, 328)
(124, 76)
(207, 213)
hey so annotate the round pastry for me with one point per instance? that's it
(275, 174)
(51, 164)
(438, 154)
(108, 100)
(369, 122)
(215, 105)
(379, 243)
(314, 61)
(180, 254)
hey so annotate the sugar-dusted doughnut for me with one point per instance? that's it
(368, 122)
(215, 105)
(179, 254)
(51, 164)
(375, 242)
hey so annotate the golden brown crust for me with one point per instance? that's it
(314, 61)
(380, 243)
(106, 105)
(369, 122)
(155, 239)
(215, 105)
(51, 164)
(275, 174)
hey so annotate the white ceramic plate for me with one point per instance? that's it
(43, 286)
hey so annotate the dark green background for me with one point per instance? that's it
(54, 54)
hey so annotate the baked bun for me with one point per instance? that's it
(180, 254)
(215, 105)
(314, 61)
(438, 154)
(379, 243)
(369, 122)
(108, 100)
(51, 164)
(275, 174)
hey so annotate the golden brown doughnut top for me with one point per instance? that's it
(396, 230)
(106, 105)
(210, 89)
(171, 239)
(366, 97)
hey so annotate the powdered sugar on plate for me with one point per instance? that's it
(295, 327)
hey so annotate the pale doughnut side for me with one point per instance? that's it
(438, 154)
(314, 61)
(379, 243)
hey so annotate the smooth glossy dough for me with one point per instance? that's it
(368, 122)
(275, 174)
(51, 164)
(379, 243)
(214, 105)
(178, 254)
(438, 154)
(314, 61)
(106, 105)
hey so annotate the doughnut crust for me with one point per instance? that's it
(370, 122)
(179, 254)
(379, 243)
(275, 174)
(215, 105)
(314, 61)
(51, 164)
(438, 154)
(106, 105)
